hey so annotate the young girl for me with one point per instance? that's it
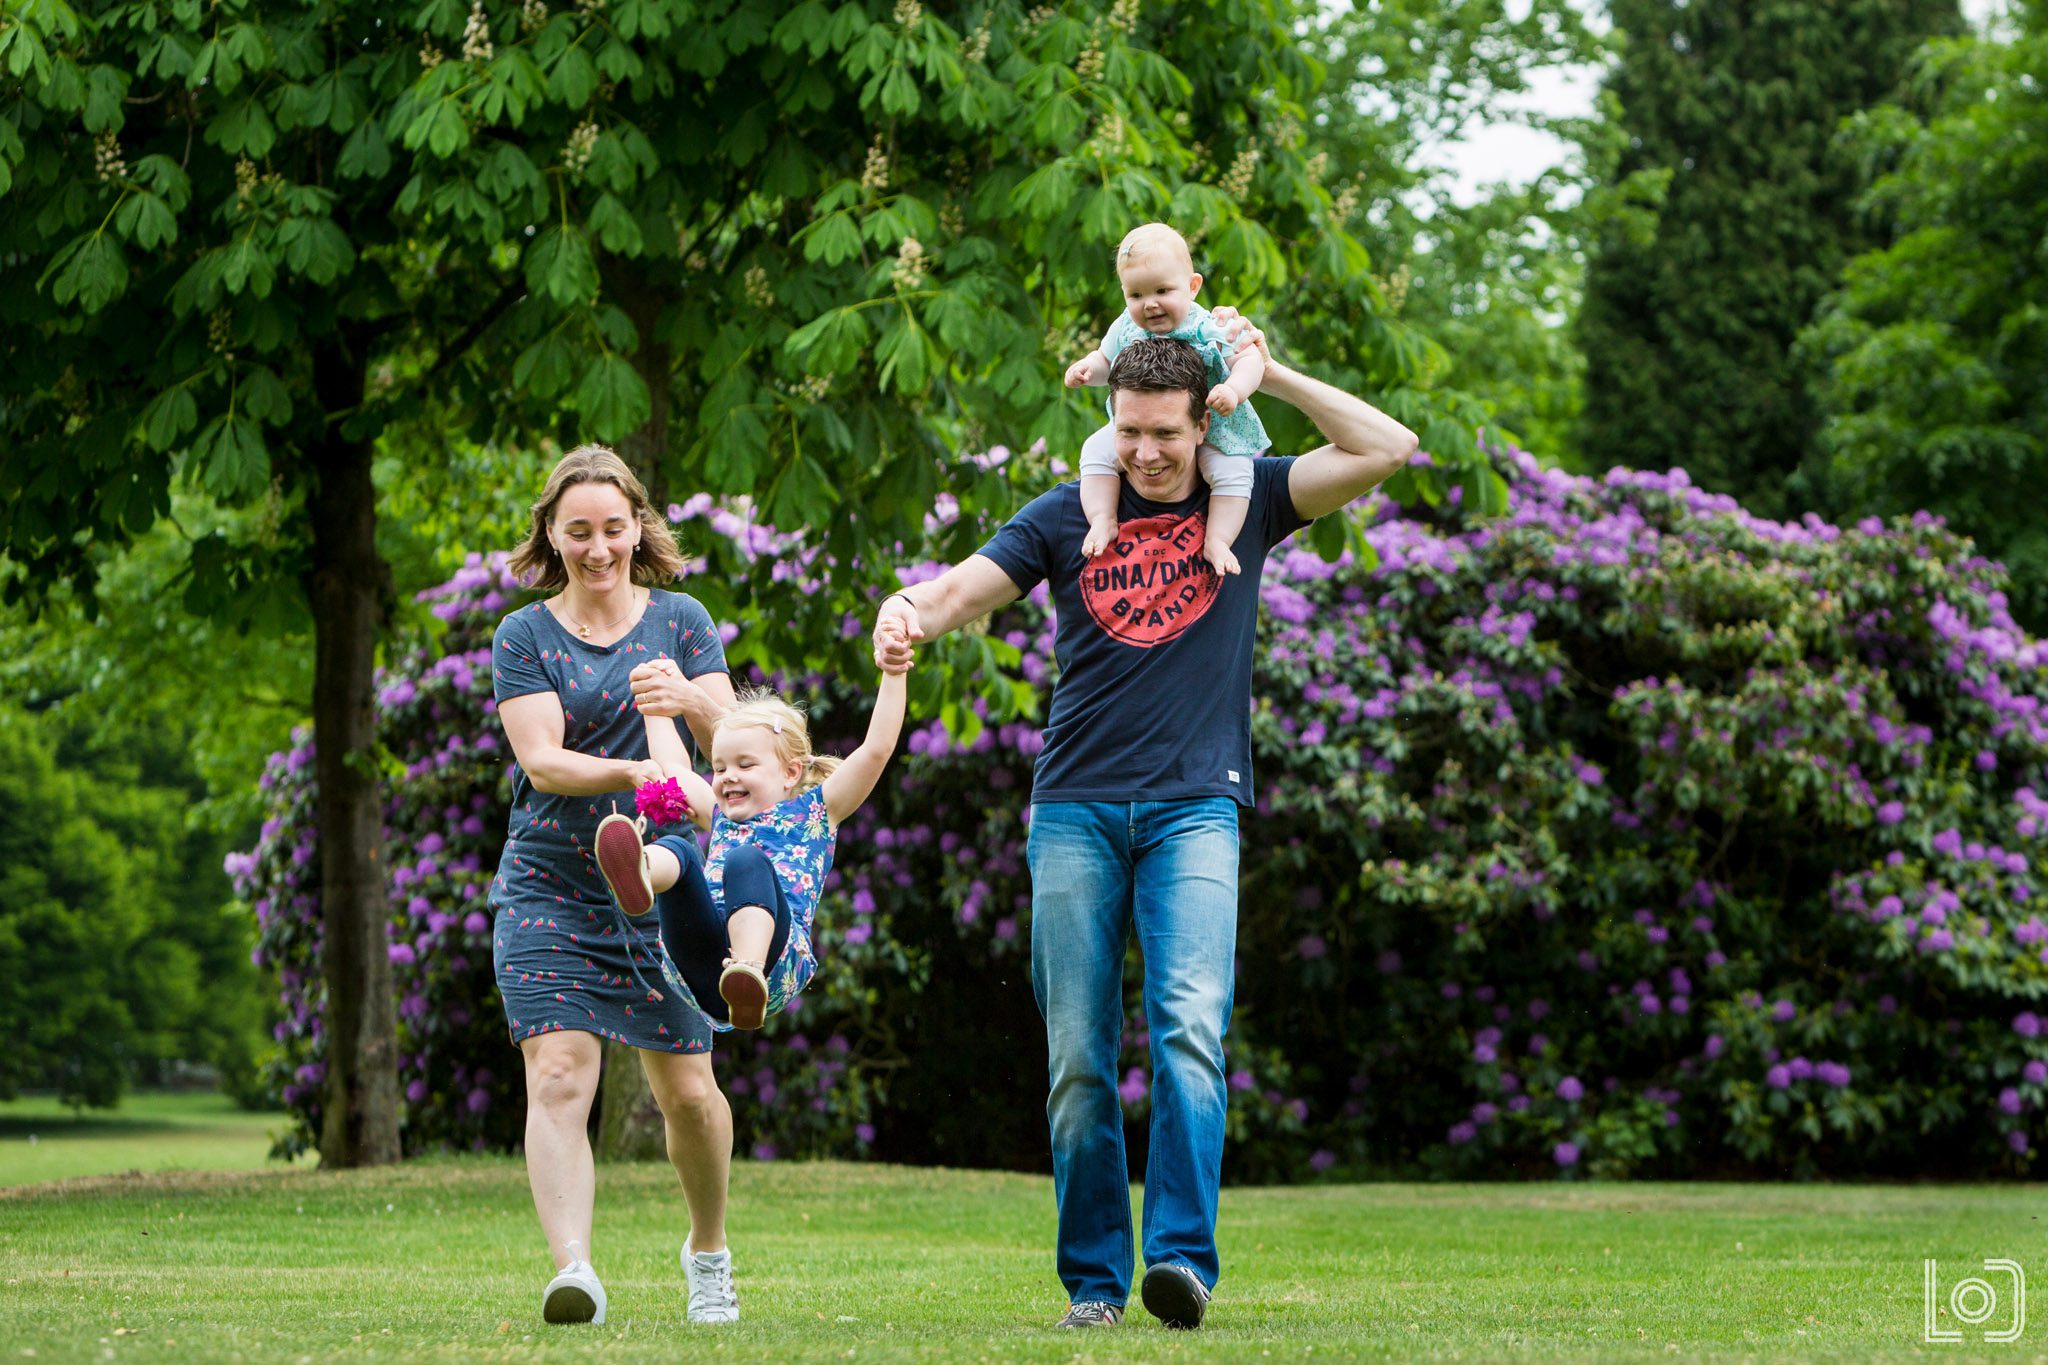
(737, 922)
(1160, 284)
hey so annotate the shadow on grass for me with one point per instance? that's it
(86, 1124)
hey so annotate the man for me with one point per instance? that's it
(1134, 801)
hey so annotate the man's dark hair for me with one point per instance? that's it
(1162, 365)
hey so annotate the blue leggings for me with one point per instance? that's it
(693, 922)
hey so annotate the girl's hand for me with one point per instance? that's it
(660, 689)
(1077, 374)
(1222, 400)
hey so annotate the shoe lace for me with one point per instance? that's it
(1092, 1312)
(711, 1287)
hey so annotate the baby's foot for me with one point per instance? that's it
(1217, 552)
(745, 992)
(1100, 535)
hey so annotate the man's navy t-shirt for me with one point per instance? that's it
(1153, 700)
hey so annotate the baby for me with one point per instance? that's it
(1160, 285)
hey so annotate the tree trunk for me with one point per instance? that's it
(349, 590)
(645, 448)
(629, 1126)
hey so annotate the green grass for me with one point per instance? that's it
(442, 1260)
(41, 1139)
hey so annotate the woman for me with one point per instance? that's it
(573, 675)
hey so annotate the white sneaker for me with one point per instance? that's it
(574, 1295)
(712, 1297)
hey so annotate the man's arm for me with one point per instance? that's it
(1365, 445)
(1365, 448)
(972, 588)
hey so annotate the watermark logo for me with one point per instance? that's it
(1975, 1302)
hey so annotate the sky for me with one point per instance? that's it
(1507, 148)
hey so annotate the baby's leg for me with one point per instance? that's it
(1099, 491)
(692, 925)
(757, 926)
(1230, 501)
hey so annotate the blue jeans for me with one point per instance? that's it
(1170, 867)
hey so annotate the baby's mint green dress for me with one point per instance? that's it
(1240, 433)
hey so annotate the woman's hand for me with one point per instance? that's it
(660, 689)
(644, 771)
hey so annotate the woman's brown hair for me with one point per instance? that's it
(537, 564)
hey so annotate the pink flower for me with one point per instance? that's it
(662, 802)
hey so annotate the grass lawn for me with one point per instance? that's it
(441, 1259)
(42, 1140)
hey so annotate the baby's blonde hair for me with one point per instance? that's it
(759, 706)
(1152, 239)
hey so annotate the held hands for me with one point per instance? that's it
(644, 771)
(895, 635)
(1223, 400)
(660, 689)
(1243, 333)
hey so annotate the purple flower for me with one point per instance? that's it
(864, 1133)
(1311, 947)
(1484, 1113)
(1240, 1080)
(1570, 1090)
(1565, 1154)
(1891, 812)
(2035, 1073)
(1461, 1133)
(1778, 1077)
(1716, 1045)
(1136, 1086)
(2017, 1140)
(2009, 1100)
(2027, 1024)
(1784, 1011)
(1322, 1160)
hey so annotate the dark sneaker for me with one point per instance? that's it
(624, 865)
(1175, 1295)
(1091, 1315)
(745, 992)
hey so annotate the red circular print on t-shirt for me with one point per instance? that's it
(1152, 582)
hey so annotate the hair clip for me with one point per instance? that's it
(776, 726)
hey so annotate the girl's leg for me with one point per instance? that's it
(698, 1123)
(757, 925)
(561, 1081)
(692, 925)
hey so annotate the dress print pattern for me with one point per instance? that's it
(566, 959)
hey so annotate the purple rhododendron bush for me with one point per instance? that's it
(1627, 834)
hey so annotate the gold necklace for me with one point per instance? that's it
(583, 631)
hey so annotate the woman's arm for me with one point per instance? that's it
(855, 778)
(534, 725)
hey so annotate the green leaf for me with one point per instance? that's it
(615, 226)
(543, 368)
(91, 271)
(230, 459)
(831, 239)
(145, 220)
(243, 129)
(559, 266)
(168, 416)
(612, 398)
(366, 155)
(105, 86)
(829, 344)
(574, 79)
(262, 395)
